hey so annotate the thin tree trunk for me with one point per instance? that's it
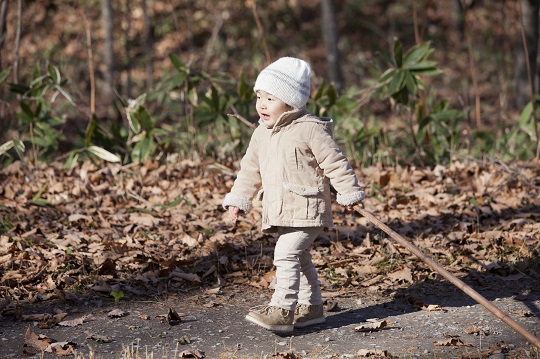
(330, 36)
(3, 27)
(128, 49)
(3, 31)
(148, 44)
(530, 10)
(108, 53)
(17, 43)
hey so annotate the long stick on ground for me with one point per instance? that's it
(450, 277)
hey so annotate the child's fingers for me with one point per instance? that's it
(233, 213)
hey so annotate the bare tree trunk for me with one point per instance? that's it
(128, 49)
(17, 43)
(3, 31)
(148, 43)
(108, 53)
(330, 36)
(530, 15)
(3, 27)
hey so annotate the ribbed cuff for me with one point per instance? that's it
(235, 200)
(351, 198)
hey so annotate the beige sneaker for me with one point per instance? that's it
(272, 318)
(306, 315)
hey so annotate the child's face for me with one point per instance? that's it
(270, 108)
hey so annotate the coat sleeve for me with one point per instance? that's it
(248, 180)
(335, 166)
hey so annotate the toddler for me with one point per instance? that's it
(291, 162)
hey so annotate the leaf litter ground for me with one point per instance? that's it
(115, 261)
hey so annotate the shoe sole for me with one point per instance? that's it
(310, 322)
(274, 328)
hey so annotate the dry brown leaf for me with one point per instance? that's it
(72, 322)
(403, 274)
(61, 348)
(474, 330)
(38, 342)
(173, 318)
(525, 313)
(192, 353)
(372, 353)
(454, 341)
(117, 313)
(186, 276)
(373, 325)
(285, 355)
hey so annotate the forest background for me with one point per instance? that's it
(415, 82)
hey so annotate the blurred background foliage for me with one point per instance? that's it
(414, 82)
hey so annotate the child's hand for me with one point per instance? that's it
(233, 213)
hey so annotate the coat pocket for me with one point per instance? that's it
(301, 190)
(302, 202)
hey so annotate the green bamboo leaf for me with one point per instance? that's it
(422, 65)
(387, 75)
(417, 53)
(103, 154)
(6, 147)
(526, 114)
(19, 147)
(174, 203)
(65, 94)
(4, 74)
(71, 160)
(26, 109)
(145, 119)
(410, 82)
(397, 83)
(398, 53)
(41, 202)
(36, 198)
(332, 95)
(54, 73)
(320, 91)
(179, 65)
(193, 96)
(90, 130)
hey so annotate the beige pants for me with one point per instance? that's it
(296, 276)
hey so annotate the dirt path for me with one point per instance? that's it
(214, 324)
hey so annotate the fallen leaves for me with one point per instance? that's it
(372, 325)
(452, 341)
(159, 227)
(139, 225)
(117, 313)
(34, 343)
(367, 353)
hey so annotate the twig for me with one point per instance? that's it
(238, 116)
(261, 32)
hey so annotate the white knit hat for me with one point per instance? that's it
(286, 79)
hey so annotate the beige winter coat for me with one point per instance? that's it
(291, 167)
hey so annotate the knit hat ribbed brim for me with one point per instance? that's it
(287, 79)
